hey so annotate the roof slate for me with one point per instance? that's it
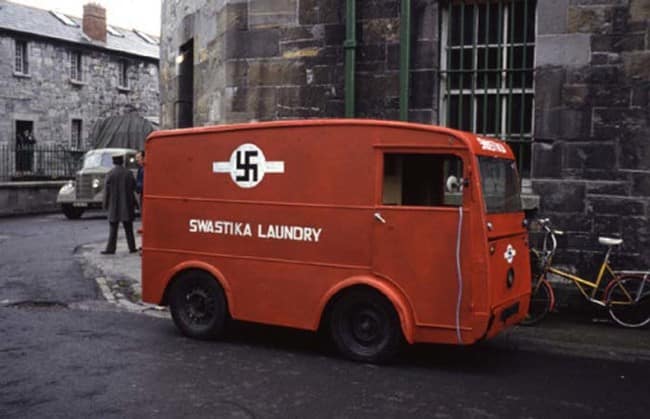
(39, 22)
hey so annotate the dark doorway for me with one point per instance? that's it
(25, 146)
(185, 103)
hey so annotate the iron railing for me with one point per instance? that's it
(38, 162)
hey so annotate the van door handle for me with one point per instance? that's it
(379, 218)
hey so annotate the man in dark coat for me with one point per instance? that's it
(119, 200)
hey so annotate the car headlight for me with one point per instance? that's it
(68, 187)
(96, 183)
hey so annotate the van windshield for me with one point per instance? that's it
(93, 160)
(500, 184)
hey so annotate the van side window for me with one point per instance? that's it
(422, 180)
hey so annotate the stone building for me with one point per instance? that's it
(565, 82)
(60, 74)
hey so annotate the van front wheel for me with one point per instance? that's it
(198, 305)
(365, 326)
(71, 212)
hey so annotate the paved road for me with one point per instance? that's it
(89, 359)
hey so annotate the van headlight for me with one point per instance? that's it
(96, 183)
(67, 188)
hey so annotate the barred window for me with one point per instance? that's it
(75, 134)
(124, 79)
(21, 63)
(76, 73)
(487, 70)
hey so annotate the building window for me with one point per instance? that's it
(21, 63)
(75, 134)
(124, 79)
(185, 103)
(76, 73)
(487, 71)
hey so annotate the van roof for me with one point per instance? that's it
(482, 145)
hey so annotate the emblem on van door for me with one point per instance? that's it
(247, 166)
(510, 254)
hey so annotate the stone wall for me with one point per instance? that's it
(48, 98)
(284, 59)
(591, 162)
(20, 198)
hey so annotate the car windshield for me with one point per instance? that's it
(500, 184)
(95, 159)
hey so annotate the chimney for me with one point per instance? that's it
(94, 22)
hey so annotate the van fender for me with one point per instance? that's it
(388, 290)
(195, 264)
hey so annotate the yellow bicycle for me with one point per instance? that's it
(626, 295)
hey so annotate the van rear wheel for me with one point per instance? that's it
(71, 212)
(198, 305)
(365, 327)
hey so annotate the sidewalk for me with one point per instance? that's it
(118, 276)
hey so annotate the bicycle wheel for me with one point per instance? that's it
(626, 306)
(541, 302)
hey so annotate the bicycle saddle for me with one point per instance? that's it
(609, 241)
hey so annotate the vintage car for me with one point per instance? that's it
(87, 190)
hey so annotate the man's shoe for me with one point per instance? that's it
(133, 250)
(106, 252)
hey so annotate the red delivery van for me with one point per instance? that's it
(380, 232)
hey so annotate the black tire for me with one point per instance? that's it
(72, 212)
(198, 305)
(540, 303)
(621, 295)
(365, 327)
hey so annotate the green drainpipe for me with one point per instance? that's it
(350, 46)
(404, 59)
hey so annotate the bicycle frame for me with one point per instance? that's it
(582, 284)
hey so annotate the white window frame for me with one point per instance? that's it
(76, 66)
(21, 55)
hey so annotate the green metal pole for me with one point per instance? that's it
(350, 46)
(404, 59)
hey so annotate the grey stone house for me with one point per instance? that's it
(60, 74)
(565, 82)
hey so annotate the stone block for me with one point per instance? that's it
(590, 155)
(616, 205)
(635, 233)
(334, 34)
(378, 31)
(547, 123)
(618, 42)
(560, 195)
(549, 82)
(641, 184)
(374, 87)
(233, 17)
(641, 94)
(424, 55)
(236, 73)
(376, 9)
(547, 160)
(276, 72)
(297, 33)
(617, 123)
(422, 89)
(603, 74)
(571, 50)
(575, 95)
(312, 12)
(421, 116)
(571, 222)
(335, 109)
(424, 20)
(252, 44)
(610, 95)
(637, 65)
(271, 13)
(575, 124)
(552, 17)
(608, 188)
(590, 19)
(371, 53)
(639, 10)
(607, 225)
